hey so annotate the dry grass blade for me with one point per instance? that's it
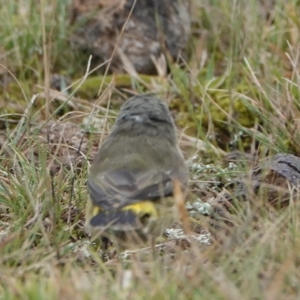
(180, 203)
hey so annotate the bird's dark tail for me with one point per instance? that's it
(121, 220)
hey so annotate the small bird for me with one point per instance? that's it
(131, 180)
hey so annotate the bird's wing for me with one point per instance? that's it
(118, 188)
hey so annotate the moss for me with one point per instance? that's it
(89, 88)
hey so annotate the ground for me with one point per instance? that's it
(235, 91)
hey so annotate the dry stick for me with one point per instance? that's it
(180, 203)
(46, 64)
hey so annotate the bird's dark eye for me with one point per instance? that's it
(157, 119)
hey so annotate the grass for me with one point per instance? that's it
(239, 89)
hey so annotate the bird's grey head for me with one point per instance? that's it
(145, 108)
(145, 111)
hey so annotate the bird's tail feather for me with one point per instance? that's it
(118, 220)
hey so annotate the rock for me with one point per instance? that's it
(276, 178)
(239, 157)
(154, 29)
(275, 181)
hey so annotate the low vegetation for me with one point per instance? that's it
(237, 89)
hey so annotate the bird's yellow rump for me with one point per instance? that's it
(140, 208)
